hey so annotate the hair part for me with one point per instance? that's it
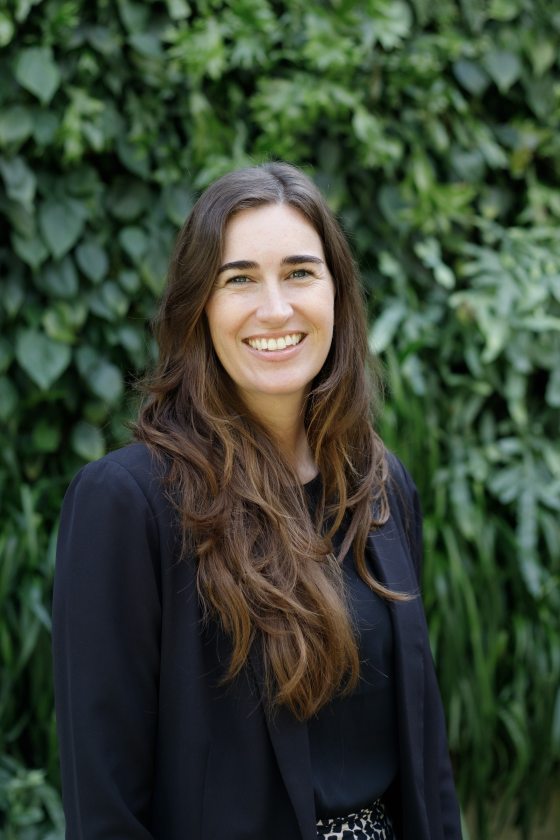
(265, 565)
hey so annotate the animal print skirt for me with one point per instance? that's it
(368, 824)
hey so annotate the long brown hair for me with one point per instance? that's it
(265, 564)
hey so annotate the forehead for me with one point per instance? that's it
(272, 230)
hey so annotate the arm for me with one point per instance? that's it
(106, 620)
(436, 760)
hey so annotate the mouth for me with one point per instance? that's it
(280, 342)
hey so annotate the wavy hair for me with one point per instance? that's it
(266, 569)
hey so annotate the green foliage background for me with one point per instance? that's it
(433, 127)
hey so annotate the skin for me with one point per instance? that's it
(274, 283)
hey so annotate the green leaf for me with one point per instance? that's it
(129, 280)
(503, 67)
(43, 359)
(385, 326)
(178, 202)
(19, 180)
(61, 226)
(59, 279)
(553, 388)
(128, 199)
(133, 15)
(132, 339)
(8, 398)
(134, 242)
(106, 382)
(134, 157)
(37, 72)
(6, 354)
(46, 437)
(16, 124)
(109, 302)
(13, 295)
(87, 441)
(63, 321)
(86, 358)
(31, 249)
(7, 29)
(45, 128)
(471, 76)
(93, 260)
(147, 44)
(178, 9)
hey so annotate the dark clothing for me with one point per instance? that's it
(152, 744)
(353, 739)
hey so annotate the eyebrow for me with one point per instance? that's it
(295, 259)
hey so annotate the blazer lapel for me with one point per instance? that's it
(290, 741)
(393, 567)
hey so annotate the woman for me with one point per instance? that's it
(240, 651)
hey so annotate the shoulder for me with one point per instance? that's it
(134, 466)
(404, 506)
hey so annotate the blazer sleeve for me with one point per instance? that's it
(106, 641)
(439, 772)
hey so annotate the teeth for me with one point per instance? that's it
(281, 343)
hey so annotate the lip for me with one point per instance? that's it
(277, 334)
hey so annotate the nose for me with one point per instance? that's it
(274, 306)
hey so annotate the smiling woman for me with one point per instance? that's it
(240, 649)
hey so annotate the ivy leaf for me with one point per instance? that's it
(59, 279)
(471, 76)
(553, 388)
(7, 29)
(134, 242)
(6, 354)
(87, 441)
(60, 225)
(109, 302)
(8, 398)
(133, 15)
(13, 295)
(43, 359)
(106, 381)
(19, 180)
(37, 72)
(31, 249)
(16, 125)
(386, 326)
(503, 67)
(178, 203)
(46, 437)
(178, 9)
(93, 260)
(127, 199)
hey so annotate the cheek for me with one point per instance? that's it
(217, 324)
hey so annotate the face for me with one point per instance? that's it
(271, 312)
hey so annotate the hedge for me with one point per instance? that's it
(434, 130)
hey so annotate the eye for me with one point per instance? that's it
(300, 273)
(238, 280)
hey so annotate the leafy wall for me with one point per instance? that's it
(434, 130)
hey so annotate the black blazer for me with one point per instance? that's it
(152, 743)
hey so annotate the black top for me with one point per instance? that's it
(353, 739)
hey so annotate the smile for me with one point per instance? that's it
(279, 343)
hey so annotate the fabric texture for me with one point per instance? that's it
(153, 745)
(367, 824)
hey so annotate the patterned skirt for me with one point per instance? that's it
(368, 824)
